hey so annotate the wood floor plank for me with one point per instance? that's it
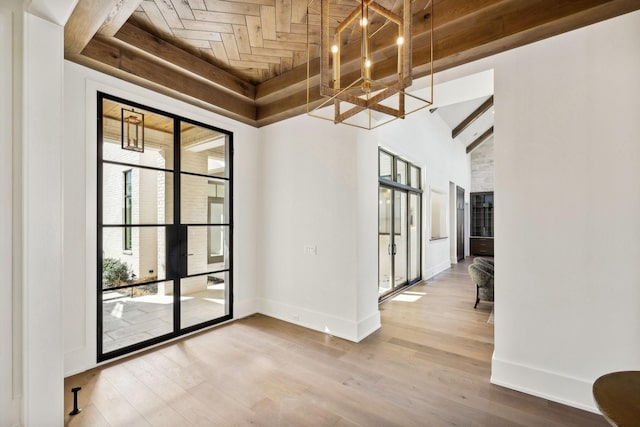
(429, 365)
(193, 411)
(146, 401)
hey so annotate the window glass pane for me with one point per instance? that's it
(385, 279)
(386, 165)
(127, 208)
(415, 177)
(197, 196)
(144, 262)
(400, 237)
(203, 298)
(207, 249)
(150, 198)
(401, 172)
(158, 137)
(203, 150)
(136, 314)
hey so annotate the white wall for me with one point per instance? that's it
(79, 184)
(310, 199)
(566, 154)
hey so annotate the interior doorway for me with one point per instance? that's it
(460, 222)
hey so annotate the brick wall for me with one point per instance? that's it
(482, 171)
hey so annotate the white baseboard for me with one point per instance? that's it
(368, 325)
(549, 385)
(322, 322)
(78, 361)
(439, 268)
(244, 308)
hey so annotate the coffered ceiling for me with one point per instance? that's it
(247, 59)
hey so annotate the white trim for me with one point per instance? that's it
(368, 325)
(322, 322)
(548, 385)
(430, 272)
(244, 308)
(42, 126)
(9, 310)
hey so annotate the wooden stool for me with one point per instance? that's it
(618, 397)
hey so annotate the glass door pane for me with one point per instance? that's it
(204, 211)
(414, 236)
(400, 239)
(136, 215)
(135, 314)
(385, 270)
(203, 297)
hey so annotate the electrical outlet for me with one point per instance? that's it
(310, 250)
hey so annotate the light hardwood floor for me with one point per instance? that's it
(429, 365)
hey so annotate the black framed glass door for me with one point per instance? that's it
(399, 224)
(392, 239)
(164, 257)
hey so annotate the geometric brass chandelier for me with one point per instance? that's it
(365, 64)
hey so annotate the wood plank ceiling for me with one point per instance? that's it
(247, 59)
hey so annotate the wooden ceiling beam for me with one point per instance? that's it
(85, 21)
(173, 56)
(116, 72)
(131, 63)
(118, 16)
(479, 140)
(486, 105)
(291, 106)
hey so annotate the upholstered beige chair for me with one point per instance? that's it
(487, 262)
(483, 279)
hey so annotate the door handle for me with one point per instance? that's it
(394, 249)
(389, 249)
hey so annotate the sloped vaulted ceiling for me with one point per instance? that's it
(247, 59)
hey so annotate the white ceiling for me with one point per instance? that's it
(454, 114)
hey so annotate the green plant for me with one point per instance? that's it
(114, 272)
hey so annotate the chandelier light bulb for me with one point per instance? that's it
(363, 22)
(334, 48)
(400, 41)
(367, 63)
